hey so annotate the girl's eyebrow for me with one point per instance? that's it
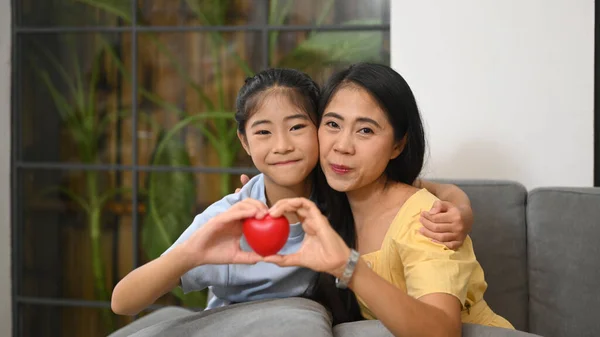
(260, 121)
(266, 121)
(300, 116)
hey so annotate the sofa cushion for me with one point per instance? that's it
(564, 261)
(377, 329)
(274, 317)
(499, 239)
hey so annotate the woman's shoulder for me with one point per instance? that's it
(407, 218)
(414, 200)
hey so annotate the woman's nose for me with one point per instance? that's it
(344, 144)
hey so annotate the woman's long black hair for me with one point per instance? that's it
(396, 99)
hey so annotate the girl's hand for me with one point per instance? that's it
(445, 224)
(322, 250)
(218, 241)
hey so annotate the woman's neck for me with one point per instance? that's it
(375, 199)
(275, 192)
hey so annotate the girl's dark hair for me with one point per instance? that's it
(296, 85)
(396, 99)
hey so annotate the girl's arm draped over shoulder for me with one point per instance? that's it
(215, 242)
(434, 314)
(450, 220)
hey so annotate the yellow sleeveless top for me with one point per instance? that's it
(419, 266)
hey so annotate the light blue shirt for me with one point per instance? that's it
(242, 283)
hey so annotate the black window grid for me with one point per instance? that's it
(18, 164)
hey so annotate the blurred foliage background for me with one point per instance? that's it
(126, 131)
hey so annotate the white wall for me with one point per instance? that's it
(5, 272)
(505, 87)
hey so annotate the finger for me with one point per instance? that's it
(261, 205)
(439, 237)
(244, 179)
(261, 208)
(247, 258)
(237, 190)
(454, 245)
(284, 206)
(283, 260)
(296, 204)
(439, 207)
(438, 227)
(452, 214)
(237, 214)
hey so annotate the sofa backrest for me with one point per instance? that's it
(563, 226)
(500, 241)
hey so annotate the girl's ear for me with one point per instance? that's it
(244, 142)
(399, 147)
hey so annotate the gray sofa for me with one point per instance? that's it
(541, 256)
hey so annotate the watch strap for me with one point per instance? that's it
(343, 281)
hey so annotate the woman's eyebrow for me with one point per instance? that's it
(368, 120)
(359, 119)
(333, 115)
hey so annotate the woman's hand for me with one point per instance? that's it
(218, 241)
(244, 179)
(447, 224)
(322, 250)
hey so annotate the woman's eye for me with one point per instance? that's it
(332, 124)
(262, 132)
(365, 131)
(298, 127)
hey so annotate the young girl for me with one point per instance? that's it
(276, 115)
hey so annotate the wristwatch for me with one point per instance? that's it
(342, 282)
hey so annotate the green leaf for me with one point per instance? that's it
(323, 49)
(120, 8)
(171, 201)
(171, 198)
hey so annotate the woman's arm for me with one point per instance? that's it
(435, 314)
(323, 250)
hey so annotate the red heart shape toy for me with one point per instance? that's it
(268, 235)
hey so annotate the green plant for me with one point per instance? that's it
(170, 195)
(87, 125)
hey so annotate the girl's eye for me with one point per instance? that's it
(262, 132)
(365, 131)
(332, 124)
(298, 127)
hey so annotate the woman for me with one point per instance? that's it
(372, 147)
